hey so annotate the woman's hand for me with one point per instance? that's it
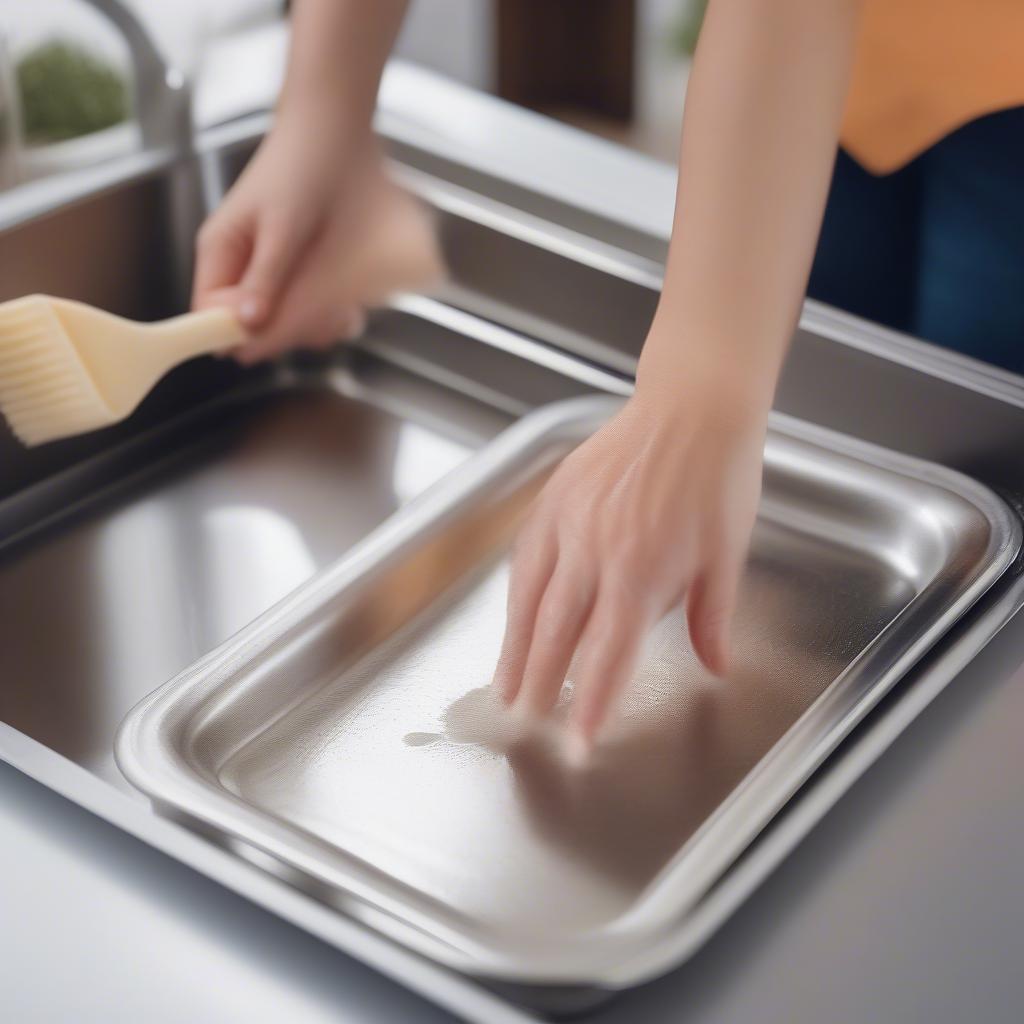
(656, 508)
(312, 234)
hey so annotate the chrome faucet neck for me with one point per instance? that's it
(163, 109)
(161, 91)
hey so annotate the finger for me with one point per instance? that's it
(293, 327)
(711, 605)
(222, 254)
(608, 655)
(561, 616)
(254, 351)
(223, 298)
(275, 252)
(336, 326)
(271, 344)
(324, 333)
(292, 324)
(532, 566)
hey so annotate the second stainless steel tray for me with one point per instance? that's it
(347, 739)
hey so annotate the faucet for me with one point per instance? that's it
(163, 109)
(163, 105)
(10, 119)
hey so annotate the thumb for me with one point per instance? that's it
(275, 252)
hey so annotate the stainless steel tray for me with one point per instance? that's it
(347, 739)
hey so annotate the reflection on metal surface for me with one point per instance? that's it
(191, 544)
(254, 555)
(350, 733)
(418, 455)
(102, 237)
(495, 821)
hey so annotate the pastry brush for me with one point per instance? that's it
(66, 368)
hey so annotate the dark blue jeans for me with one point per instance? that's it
(937, 248)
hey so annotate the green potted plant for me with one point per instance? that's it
(75, 108)
(688, 26)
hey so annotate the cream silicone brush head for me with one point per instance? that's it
(67, 368)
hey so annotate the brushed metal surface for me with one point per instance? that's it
(843, 373)
(144, 557)
(348, 738)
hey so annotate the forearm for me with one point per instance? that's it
(762, 120)
(338, 51)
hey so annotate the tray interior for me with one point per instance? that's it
(406, 761)
(145, 556)
(372, 736)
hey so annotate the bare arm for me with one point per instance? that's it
(288, 248)
(762, 119)
(337, 54)
(657, 508)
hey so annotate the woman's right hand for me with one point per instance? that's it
(312, 233)
(656, 509)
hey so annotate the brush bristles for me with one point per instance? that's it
(45, 390)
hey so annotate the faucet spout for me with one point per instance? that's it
(161, 91)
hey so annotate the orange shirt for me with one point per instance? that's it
(923, 68)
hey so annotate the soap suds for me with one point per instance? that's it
(422, 739)
(480, 718)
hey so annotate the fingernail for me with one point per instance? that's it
(250, 309)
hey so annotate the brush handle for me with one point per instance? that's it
(197, 334)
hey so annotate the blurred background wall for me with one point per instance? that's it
(615, 67)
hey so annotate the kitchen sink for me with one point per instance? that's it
(128, 555)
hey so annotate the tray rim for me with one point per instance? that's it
(167, 780)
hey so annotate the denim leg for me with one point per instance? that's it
(970, 289)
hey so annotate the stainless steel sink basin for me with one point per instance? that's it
(127, 555)
(350, 737)
(145, 557)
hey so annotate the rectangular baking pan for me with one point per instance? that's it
(347, 739)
